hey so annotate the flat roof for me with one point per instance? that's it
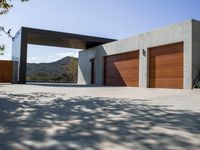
(61, 39)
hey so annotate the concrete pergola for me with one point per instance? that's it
(27, 36)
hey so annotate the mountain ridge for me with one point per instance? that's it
(51, 70)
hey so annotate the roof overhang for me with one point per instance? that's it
(61, 39)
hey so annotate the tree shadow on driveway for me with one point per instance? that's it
(45, 121)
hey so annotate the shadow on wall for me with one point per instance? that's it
(85, 65)
(45, 121)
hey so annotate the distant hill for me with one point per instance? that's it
(54, 71)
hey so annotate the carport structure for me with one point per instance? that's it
(27, 36)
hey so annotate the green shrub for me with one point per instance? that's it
(197, 84)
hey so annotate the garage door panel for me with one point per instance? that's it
(166, 66)
(123, 64)
(164, 51)
(126, 74)
(116, 58)
(123, 56)
(117, 82)
(125, 67)
(127, 64)
(5, 78)
(167, 49)
(122, 69)
(167, 82)
(179, 65)
(121, 74)
(170, 59)
(167, 72)
(116, 79)
(132, 82)
(114, 74)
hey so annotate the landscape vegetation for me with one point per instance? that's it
(63, 70)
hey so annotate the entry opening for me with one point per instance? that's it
(47, 64)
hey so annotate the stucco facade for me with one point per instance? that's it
(187, 32)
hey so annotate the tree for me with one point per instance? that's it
(5, 6)
(71, 70)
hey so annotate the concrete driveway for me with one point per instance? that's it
(60, 117)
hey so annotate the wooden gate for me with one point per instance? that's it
(5, 71)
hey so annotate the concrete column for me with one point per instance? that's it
(187, 72)
(187, 54)
(143, 68)
(143, 63)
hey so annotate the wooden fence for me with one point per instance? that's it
(6, 71)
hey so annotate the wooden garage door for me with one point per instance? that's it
(122, 69)
(166, 66)
(5, 71)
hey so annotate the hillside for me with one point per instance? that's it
(58, 71)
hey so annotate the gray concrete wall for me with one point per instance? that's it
(195, 49)
(19, 56)
(16, 52)
(163, 36)
(84, 66)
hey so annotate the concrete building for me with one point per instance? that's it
(168, 57)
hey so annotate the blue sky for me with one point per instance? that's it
(105, 18)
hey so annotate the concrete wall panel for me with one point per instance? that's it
(84, 66)
(16, 52)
